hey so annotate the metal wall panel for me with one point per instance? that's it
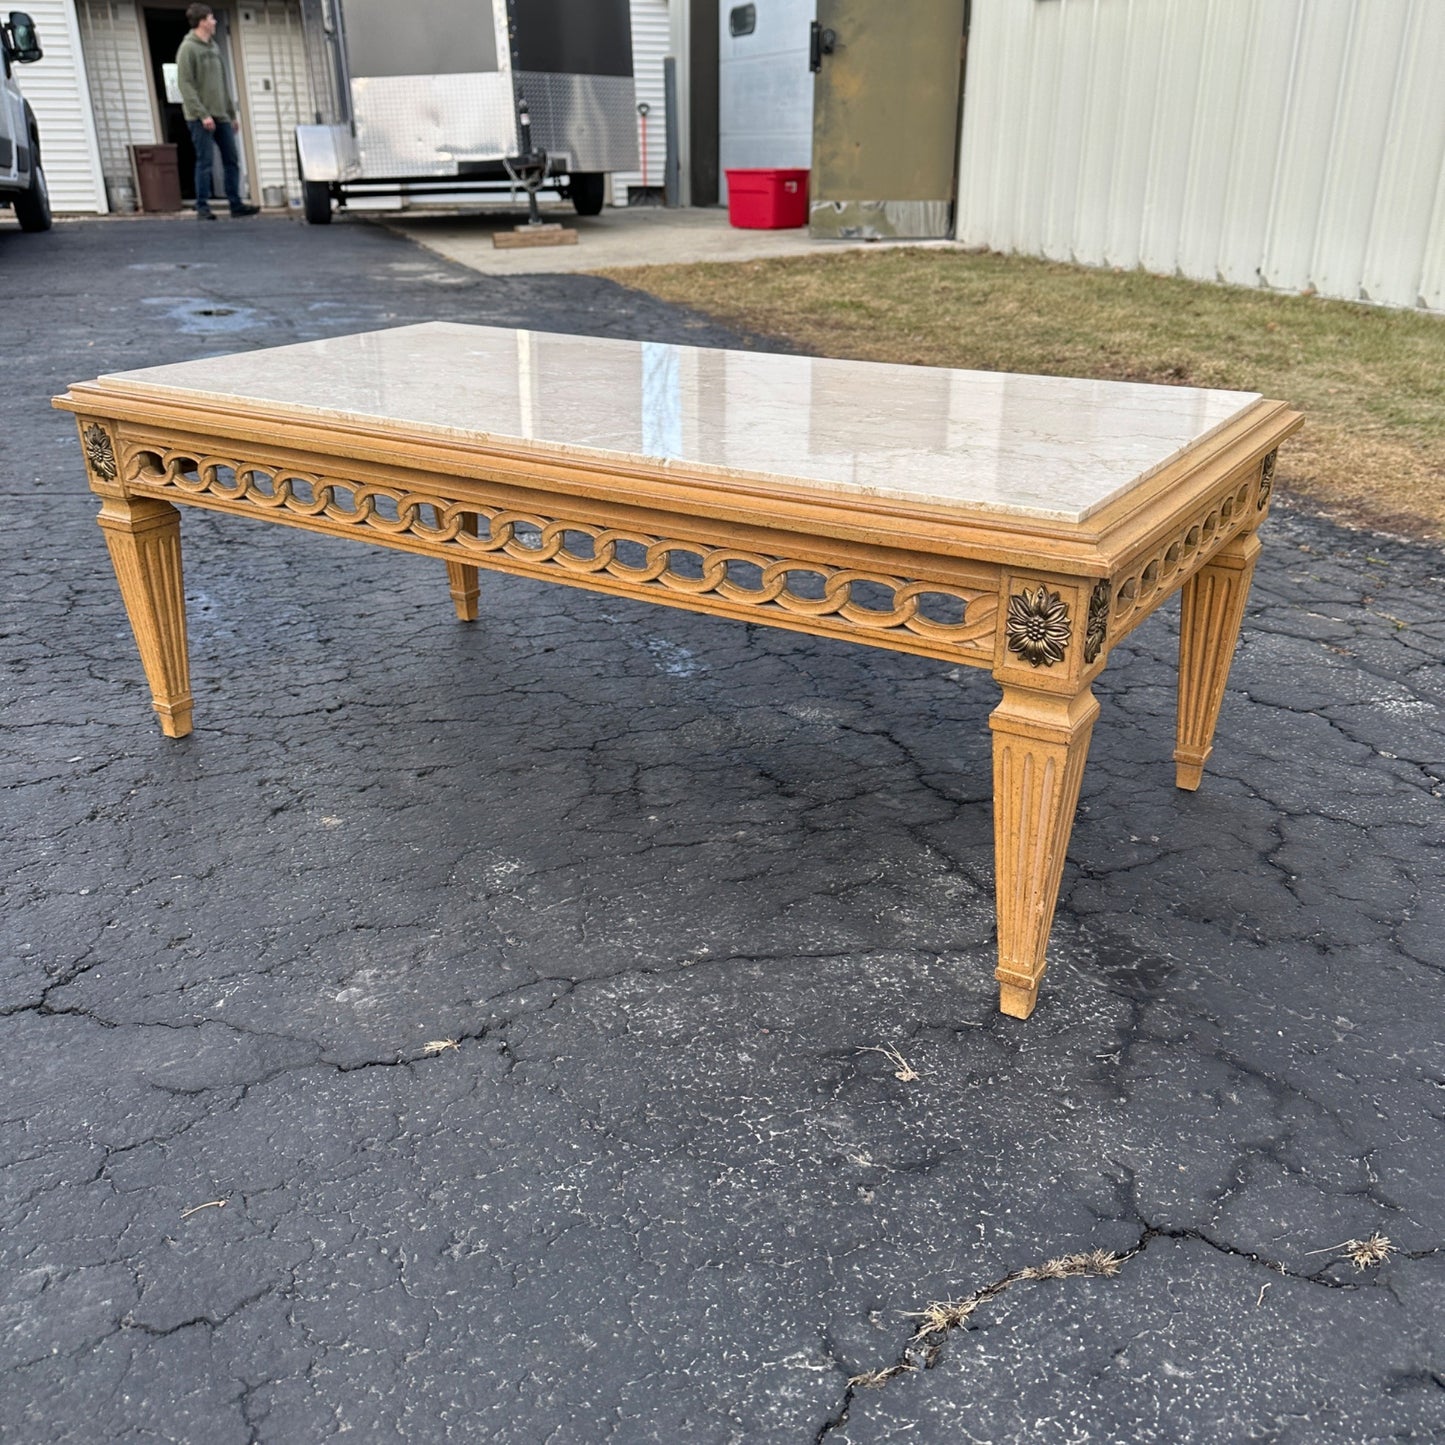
(586, 118)
(1357, 145)
(1412, 177)
(1215, 149)
(1312, 79)
(1132, 112)
(1432, 280)
(1292, 143)
(424, 37)
(425, 125)
(570, 37)
(765, 89)
(1258, 123)
(1105, 76)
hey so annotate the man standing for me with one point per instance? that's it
(209, 110)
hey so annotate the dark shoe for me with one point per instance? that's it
(245, 210)
(204, 215)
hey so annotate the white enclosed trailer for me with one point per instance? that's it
(434, 97)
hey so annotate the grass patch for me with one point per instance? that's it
(1370, 381)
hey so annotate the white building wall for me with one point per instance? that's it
(1295, 144)
(56, 90)
(120, 95)
(277, 94)
(651, 39)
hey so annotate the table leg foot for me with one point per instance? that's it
(1040, 742)
(1211, 612)
(1015, 1001)
(1188, 776)
(144, 538)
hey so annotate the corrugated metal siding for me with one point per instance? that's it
(55, 88)
(278, 93)
(651, 40)
(120, 97)
(1290, 143)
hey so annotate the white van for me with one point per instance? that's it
(22, 182)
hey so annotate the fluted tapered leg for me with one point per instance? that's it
(1040, 741)
(144, 537)
(463, 579)
(1209, 621)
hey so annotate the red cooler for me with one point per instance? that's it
(767, 200)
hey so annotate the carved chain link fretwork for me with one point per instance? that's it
(478, 534)
(1172, 563)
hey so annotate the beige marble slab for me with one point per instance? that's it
(1047, 447)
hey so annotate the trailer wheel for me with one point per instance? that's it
(588, 190)
(316, 198)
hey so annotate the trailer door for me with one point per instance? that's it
(431, 85)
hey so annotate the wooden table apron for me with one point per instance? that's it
(1042, 602)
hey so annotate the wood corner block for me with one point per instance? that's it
(1046, 628)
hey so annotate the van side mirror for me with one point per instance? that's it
(22, 45)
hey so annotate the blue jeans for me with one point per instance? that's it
(204, 140)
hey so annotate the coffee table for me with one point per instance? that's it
(1015, 523)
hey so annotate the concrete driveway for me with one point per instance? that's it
(617, 239)
(475, 1033)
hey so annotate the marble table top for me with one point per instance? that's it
(1034, 446)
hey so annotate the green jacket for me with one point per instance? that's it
(201, 75)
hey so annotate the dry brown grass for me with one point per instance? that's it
(1362, 1253)
(1370, 381)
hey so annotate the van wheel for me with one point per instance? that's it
(588, 191)
(316, 197)
(32, 207)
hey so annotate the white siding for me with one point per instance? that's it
(651, 35)
(1289, 143)
(120, 94)
(277, 91)
(55, 88)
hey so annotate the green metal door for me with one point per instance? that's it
(886, 117)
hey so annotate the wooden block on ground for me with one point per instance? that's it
(546, 235)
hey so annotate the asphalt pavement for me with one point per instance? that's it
(477, 1032)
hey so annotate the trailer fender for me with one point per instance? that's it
(324, 152)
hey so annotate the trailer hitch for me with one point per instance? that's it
(529, 168)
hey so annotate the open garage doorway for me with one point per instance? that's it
(165, 28)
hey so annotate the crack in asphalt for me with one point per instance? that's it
(924, 1351)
